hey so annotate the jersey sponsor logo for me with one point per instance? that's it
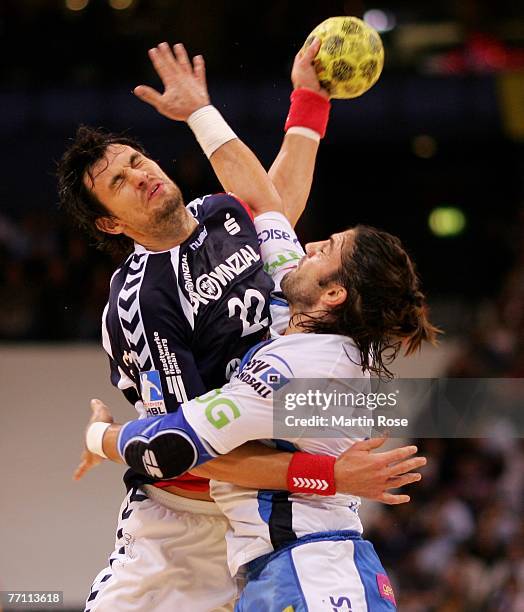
(219, 410)
(279, 260)
(151, 464)
(276, 234)
(189, 285)
(385, 589)
(170, 368)
(231, 225)
(151, 392)
(210, 286)
(340, 603)
(262, 377)
(196, 244)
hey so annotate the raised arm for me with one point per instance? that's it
(185, 98)
(292, 171)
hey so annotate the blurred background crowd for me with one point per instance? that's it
(459, 545)
(433, 153)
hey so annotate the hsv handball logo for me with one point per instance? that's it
(274, 379)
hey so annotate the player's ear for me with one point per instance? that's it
(334, 295)
(109, 225)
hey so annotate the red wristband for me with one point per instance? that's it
(309, 473)
(308, 109)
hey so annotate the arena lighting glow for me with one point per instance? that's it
(446, 221)
(382, 21)
(76, 5)
(120, 5)
(424, 146)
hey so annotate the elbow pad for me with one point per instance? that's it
(162, 447)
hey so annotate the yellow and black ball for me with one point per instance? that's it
(350, 58)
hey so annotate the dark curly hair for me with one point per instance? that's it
(88, 147)
(384, 307)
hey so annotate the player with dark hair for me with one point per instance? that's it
(77, 199)
(300, 552)
(184, 307)
(375, 271)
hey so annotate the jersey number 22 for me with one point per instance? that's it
(249, 327)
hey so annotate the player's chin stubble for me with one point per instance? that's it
(295, 290)
(169, 215)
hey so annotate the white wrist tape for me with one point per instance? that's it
(304, 131)
(210, 129)
(94, 436)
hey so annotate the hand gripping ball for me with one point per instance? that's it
(350, 58)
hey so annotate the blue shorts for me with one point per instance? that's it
(332, 571)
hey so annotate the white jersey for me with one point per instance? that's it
(281, 251)
(263, 521)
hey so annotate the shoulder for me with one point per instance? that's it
(210, 205)
(314, 356)
(119, 275)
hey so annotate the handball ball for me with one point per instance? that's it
(350, 58)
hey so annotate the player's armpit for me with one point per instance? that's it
(253, 465)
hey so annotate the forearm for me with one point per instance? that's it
(236, 167)
(252, 465)
(292, 173)
(292, 170)
(155, 447)
(241, 173)
(165, 447)
(161, 447)
(110, 443)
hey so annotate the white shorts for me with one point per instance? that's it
(170, 554)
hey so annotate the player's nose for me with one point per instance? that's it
(140, 179)
(309, 248)
(312, 248)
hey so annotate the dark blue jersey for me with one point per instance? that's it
(178, 322)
